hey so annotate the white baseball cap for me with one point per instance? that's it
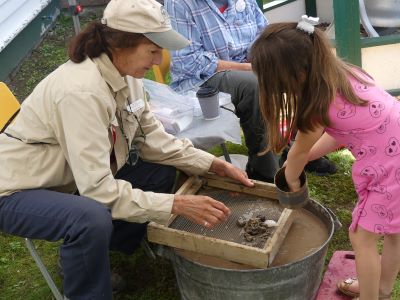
(144, 16)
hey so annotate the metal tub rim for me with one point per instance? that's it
(332, 229)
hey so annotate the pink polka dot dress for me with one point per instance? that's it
(372, 134)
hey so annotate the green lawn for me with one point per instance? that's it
(147, 279)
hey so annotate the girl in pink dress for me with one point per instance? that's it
(331, 103)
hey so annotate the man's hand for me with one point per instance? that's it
(224, 65)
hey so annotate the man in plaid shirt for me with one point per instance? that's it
(221, 33)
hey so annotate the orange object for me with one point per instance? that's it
(9, 106)
(161, 70)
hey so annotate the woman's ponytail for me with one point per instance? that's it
(88, 43)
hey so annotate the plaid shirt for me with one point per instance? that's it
(214, 35)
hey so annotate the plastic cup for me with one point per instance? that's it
(291, 199)
(209, 102)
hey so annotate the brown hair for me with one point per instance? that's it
(98, 38)
(298, 77)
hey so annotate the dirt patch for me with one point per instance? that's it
(256, 230)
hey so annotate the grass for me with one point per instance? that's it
(147, 279)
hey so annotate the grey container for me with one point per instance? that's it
(291, 199)
(209, 102)
(299, 280)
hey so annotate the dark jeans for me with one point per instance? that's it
(86, 227)
(243, 87)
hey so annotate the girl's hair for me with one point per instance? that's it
(98, 38)
(298, 77)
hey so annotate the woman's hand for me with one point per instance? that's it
(199, 209)
(225, 169)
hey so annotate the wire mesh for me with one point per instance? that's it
(241, 205)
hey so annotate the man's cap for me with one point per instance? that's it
(144, 16)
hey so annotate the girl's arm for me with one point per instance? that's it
(299, 154)
(324, 145)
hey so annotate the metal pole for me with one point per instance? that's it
(347, 30)
(43, 269)
(260, 4)
(75, 18)
(311, 7)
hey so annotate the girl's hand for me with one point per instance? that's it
(225, 169)
(200, 209)
(294, 185)
(299, 155)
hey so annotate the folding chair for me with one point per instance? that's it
(9, 106)
(160, 72)
(9, 109)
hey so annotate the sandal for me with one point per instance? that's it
(343, 286)
(383, 296)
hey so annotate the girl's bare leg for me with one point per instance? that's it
(390, 263)
(367, 262)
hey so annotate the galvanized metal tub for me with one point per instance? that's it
(295, 281)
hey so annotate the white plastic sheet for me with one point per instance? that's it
(181, 116)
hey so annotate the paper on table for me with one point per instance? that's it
(169, 107)
(177, 125)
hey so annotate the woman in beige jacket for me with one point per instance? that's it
(86, 161)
